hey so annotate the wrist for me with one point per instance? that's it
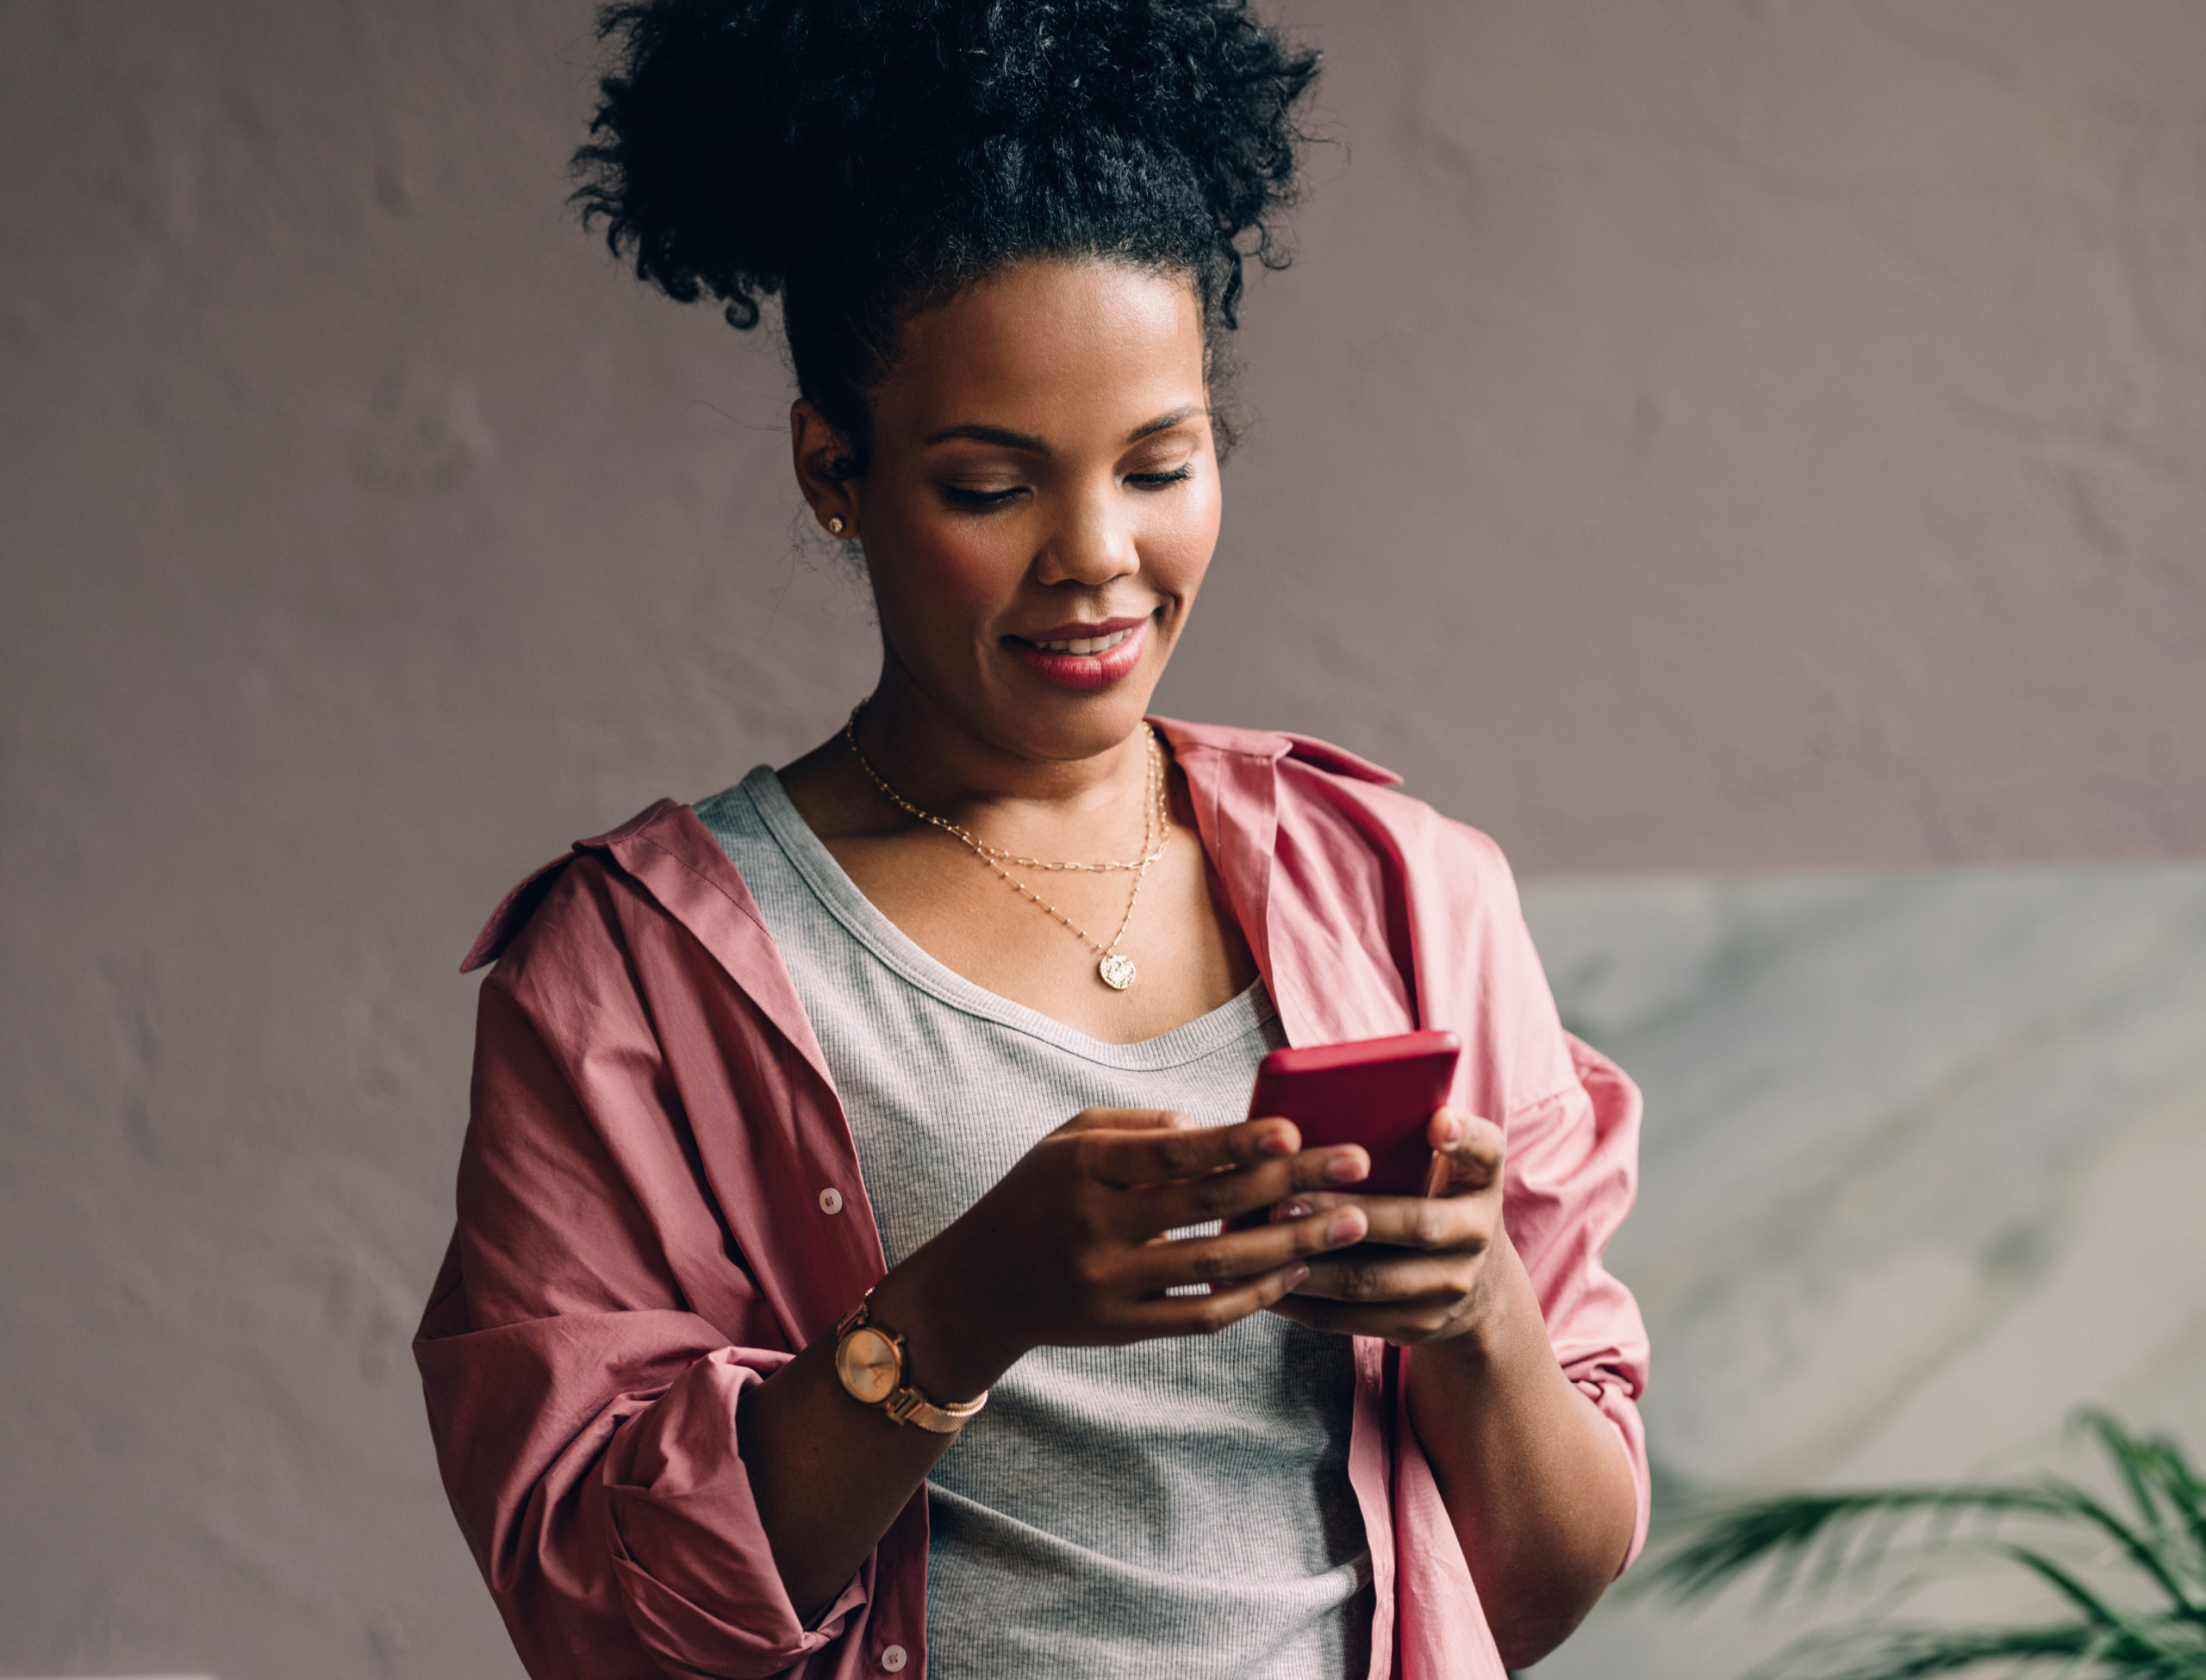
(1493, 1324)
(950, 1355)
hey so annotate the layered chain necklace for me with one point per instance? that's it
(1114, 968)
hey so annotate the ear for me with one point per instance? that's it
(822, 456)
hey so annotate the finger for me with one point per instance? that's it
(1231, 1256)
(1161, 1155)
(1207, 1315)
(1126, 1120)
(1228, 1195)
(1460, 1224)
(1471, 1149)
(1404, 1323)
(1368, 1276)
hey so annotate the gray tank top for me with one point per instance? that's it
(1178, 1509)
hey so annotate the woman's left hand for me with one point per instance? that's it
(1419, 1273)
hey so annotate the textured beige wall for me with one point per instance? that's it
(1734, 435)
(1695, 435)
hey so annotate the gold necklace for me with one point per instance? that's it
(1114, 968)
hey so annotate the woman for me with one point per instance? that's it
(908, 1079)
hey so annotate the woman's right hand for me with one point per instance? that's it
(1069, 1249)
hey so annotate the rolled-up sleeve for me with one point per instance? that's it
(585, 1414)
(1572, 1175)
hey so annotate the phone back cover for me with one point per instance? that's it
(1377, 1091)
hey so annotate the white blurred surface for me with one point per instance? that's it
(1924, 1164)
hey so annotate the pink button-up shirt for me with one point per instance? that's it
(645, 1223)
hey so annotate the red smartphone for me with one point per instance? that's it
(1376, 1092)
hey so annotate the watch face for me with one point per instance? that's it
(868, 1364)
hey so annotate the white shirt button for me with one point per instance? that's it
(892, 1658)
(831, 1201)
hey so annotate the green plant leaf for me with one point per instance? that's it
(1788, 1531)
(2133, 1459)
(2144, 1550)
(1913, 1653)
(1807, 1541)
(2133, 1630)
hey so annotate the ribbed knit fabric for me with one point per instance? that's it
(1177, 1509)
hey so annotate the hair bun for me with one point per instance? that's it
(866, 149)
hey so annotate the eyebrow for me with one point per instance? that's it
(1163, 423)
(1002, 435)
(1005, 437)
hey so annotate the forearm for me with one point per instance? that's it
(1535, 1478)
(829, 1474)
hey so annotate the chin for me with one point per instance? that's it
(1066, 724)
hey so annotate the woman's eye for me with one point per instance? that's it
(1157, 481)
(959, 496)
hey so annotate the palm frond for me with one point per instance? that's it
(2135, 1461)
(2128, 1630)
(2151, 1550)
(1912, 1653)
(1852, 1529)
(1812, 1539)
(2169, 1494)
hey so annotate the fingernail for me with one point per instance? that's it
(1296, 1274)
(1344, 1169)
(1277, 1143)
(1290, 1210)
(1346, 1227)
(1451, 1130)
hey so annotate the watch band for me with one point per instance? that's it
(870, 1360)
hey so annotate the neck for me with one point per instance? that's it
(946, 765)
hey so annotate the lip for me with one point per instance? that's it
(1083, 671)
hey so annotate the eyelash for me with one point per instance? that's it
(1157, 481)
(958, 497)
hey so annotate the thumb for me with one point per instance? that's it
(1467, 1154)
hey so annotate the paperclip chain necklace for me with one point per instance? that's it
(1112, 967)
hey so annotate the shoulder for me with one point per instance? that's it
(1316, 782)
(585, 903)
(1270, 746)
(1353, 864)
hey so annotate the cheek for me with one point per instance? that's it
(939, 565)
(1177, 542)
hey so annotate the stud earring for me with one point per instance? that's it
(835, 524)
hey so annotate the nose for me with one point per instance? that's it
(1092, 542)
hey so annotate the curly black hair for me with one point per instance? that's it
(866, 158)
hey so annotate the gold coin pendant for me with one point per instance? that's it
(1117, 972)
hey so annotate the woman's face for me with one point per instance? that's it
(1041, 501)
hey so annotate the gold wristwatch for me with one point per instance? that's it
(870, 1359)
